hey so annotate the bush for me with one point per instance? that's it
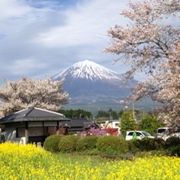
(147, 144)
(112, 145)
(159, 143)
(174, 150)
(172, 141)
(132, 146)
(173, 146)
(68, 143)
(138, 144)
(51, 143)
(86, 143)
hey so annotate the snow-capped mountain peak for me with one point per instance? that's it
(87, 70)
(91, 84)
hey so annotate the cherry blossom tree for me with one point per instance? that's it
(15, 95)
(151, 43)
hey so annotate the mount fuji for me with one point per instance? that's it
(91, 84)
(88, 70)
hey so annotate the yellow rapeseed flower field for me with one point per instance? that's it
(29, 162)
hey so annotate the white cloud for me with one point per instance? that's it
(12, 9)
(87, 24)
(24, 66)
(54, 38)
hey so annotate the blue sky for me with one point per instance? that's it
(39, 38)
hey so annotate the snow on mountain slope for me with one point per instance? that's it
(87, 70)
(91, 85)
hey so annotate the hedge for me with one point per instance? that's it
(112, 145)
(86, 143)
(68, 143)
(148, 144)
(51, 143)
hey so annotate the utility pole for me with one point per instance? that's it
(110, 114)
(133, 109)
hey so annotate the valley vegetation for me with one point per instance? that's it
(76, 113)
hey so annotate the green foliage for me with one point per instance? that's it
(174, 150)
(127, 122)
(172, 141)
(107, 115)
(159, 143)
(86, 143)
(112, 145)
(120, 113)
(51, 143)
(132, 146)
(173, 146)
(102, 114)
(148, 144)
(78, 113)
(114, 115)
(68, 143)
(150, 123)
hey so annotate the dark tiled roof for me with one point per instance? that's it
(84, 123)
(78, 122)
(33, 114)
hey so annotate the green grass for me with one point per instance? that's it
(72, 158)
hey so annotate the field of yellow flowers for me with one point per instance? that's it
(30, 162)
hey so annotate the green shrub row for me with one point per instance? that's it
(86, 143)
(171, 146)
(110, 145)
(68, 143)
(146, 144)
(52, 143)
(104, 144)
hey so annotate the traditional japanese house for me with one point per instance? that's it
(32, 124)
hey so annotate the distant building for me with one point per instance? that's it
(78, 125)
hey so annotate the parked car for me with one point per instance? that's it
(166, 132)
(137, 135)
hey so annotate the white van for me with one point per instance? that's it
(137, 135)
